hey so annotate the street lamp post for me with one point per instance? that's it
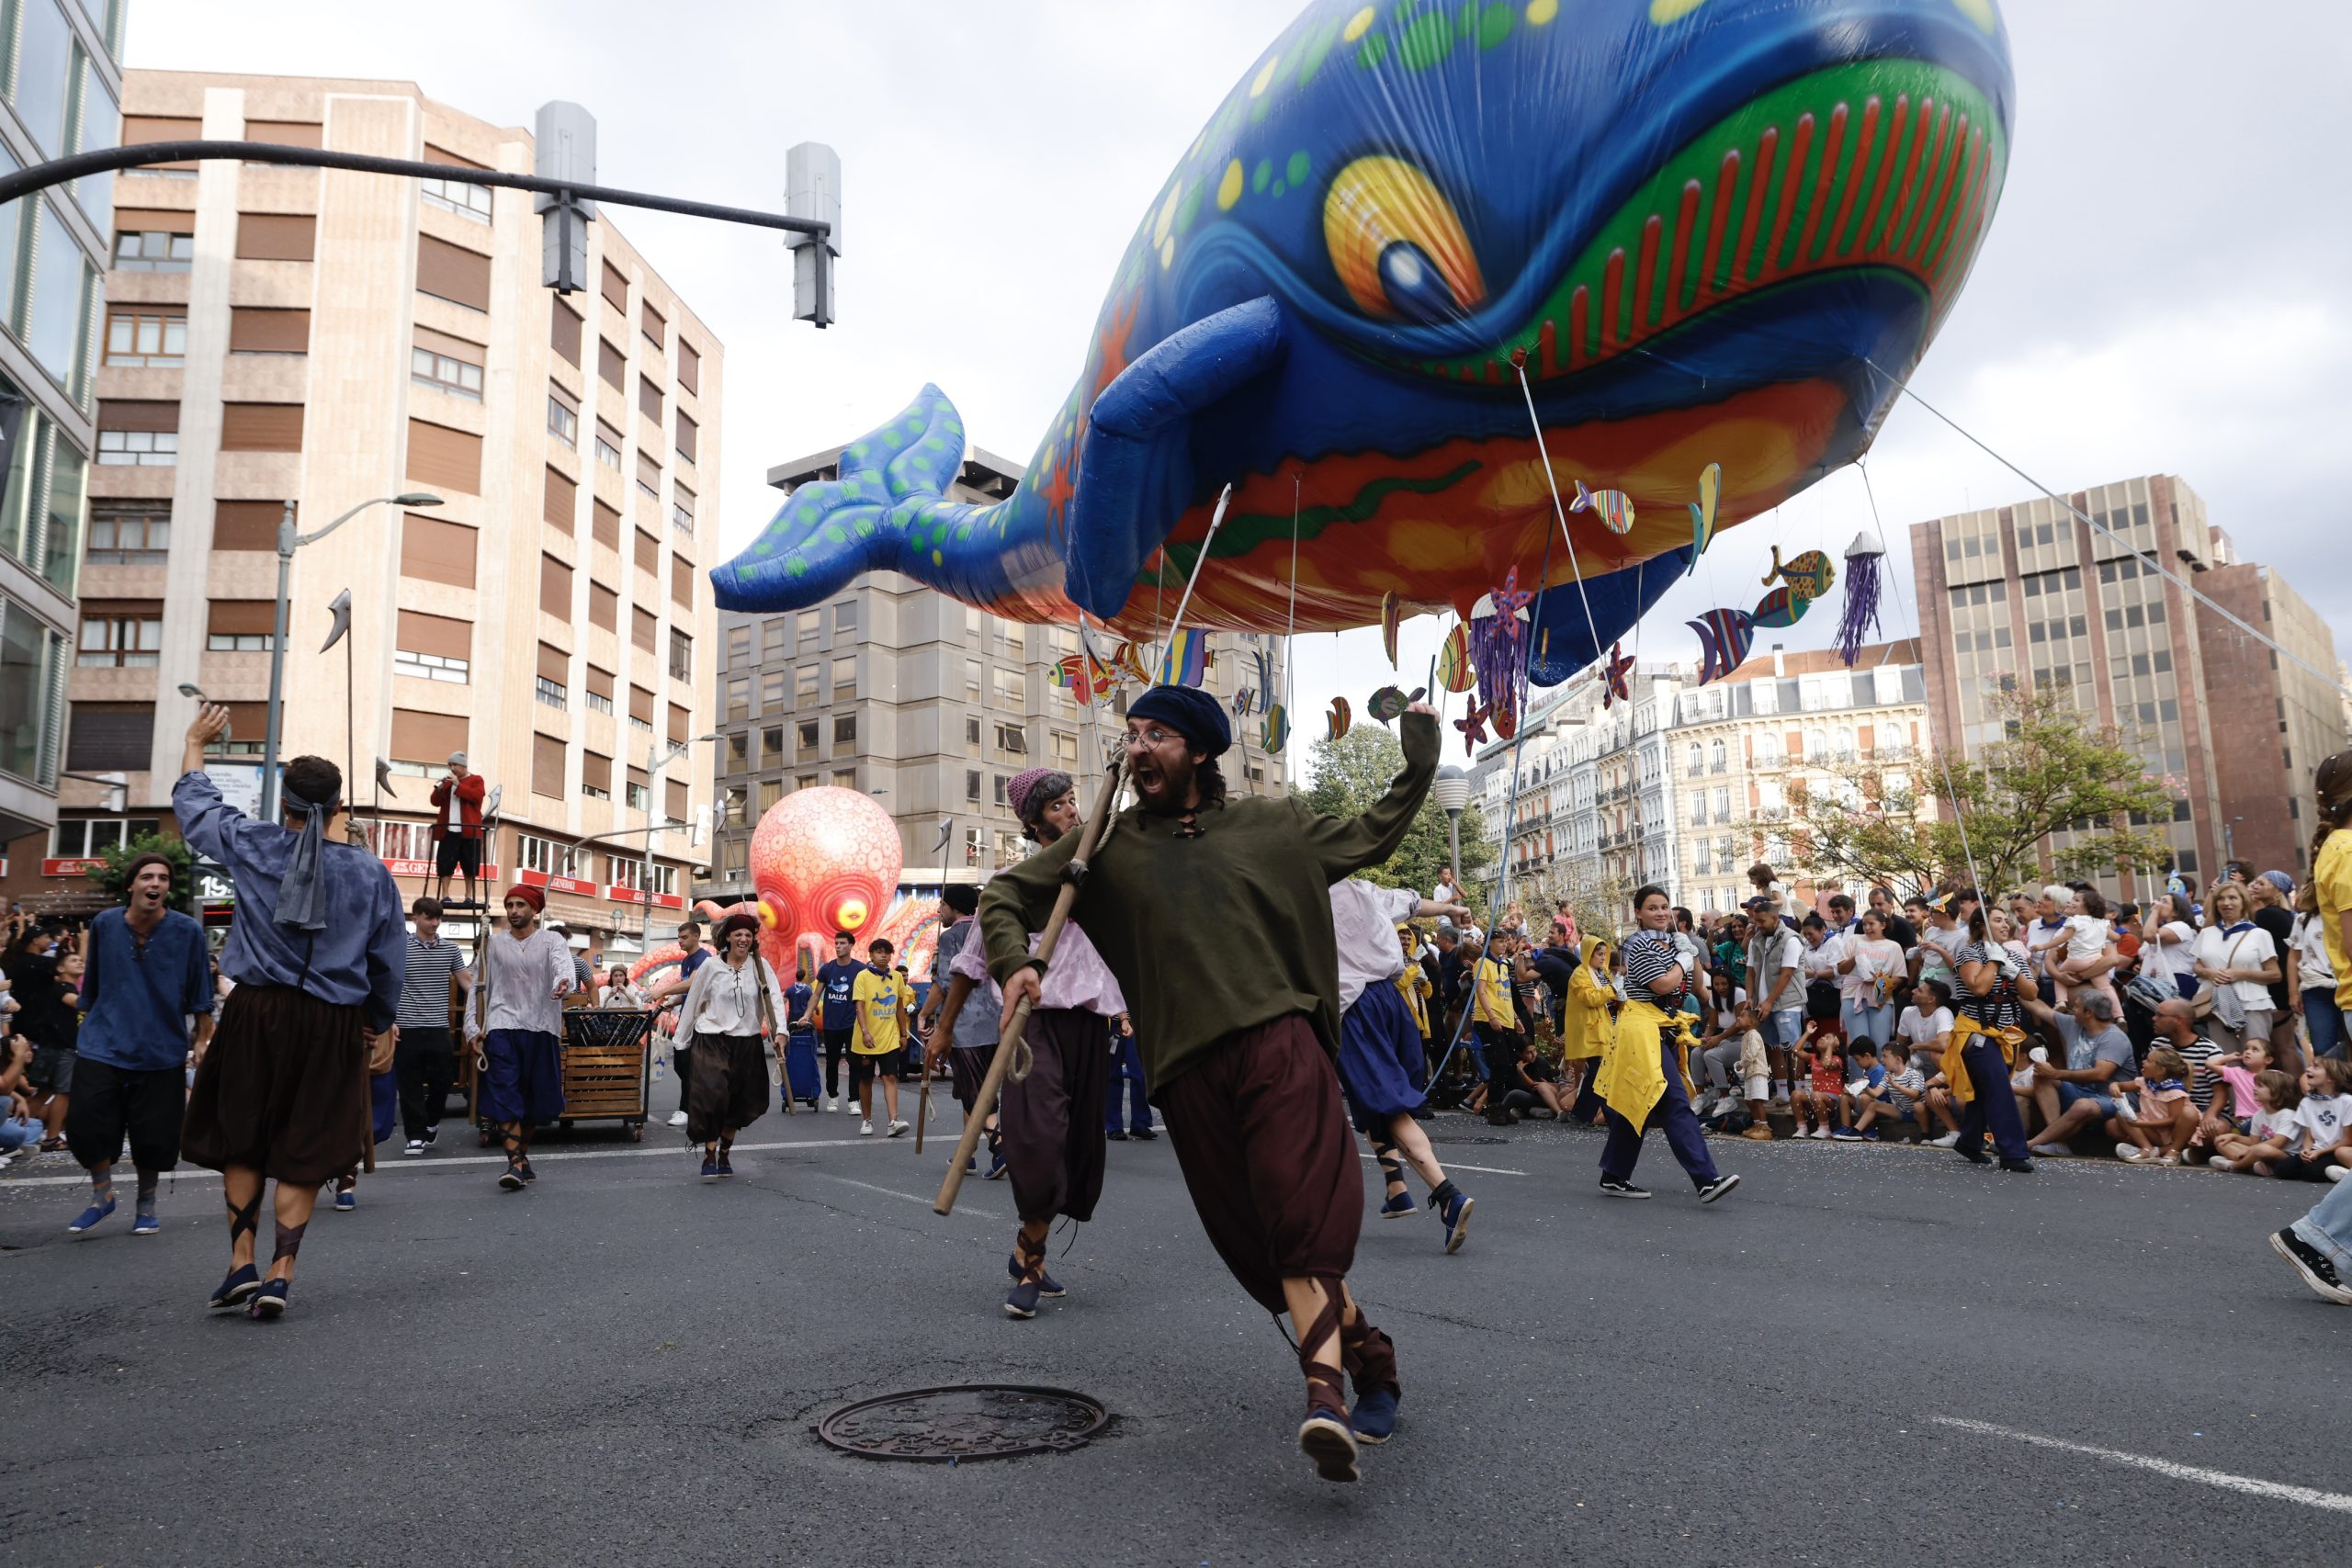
(1451, 790)
(289, 541)
(653, 766)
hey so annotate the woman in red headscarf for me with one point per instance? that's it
(514, 1017)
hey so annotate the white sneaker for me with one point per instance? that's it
(899, 1127)
(1949, 1140)
(416, 1146)
(865, 1129)
(831, 1103)
(2052, 1151)
(1780, 1097)
(2335, 1173)
(677, 1119)
(1820, 1133)
(2130, 1154)
(2218, 1163)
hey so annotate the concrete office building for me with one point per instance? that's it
(278, 334)
(924, 703)
(60, 90)
(2028, 591)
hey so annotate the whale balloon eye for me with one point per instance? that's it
(1397, 244)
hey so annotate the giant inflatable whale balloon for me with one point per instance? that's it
(1712, 231)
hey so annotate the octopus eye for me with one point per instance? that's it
(1397, 244)
(850, 913)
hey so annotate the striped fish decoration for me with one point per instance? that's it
(1186, 663)
(1613, 507)
(1081, 675)
(1455, 672)
(1273, 730)
(1341, 718)
(1724, 638)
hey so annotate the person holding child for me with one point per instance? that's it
(2071, 956)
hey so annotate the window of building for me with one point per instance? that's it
(648, 473)
(153, 250)
(431, 666)
(682, 508)
(110, 736)
(772, 746)
(146, 337)
(441, 373)
(1010, 740)
(845, 729)
(739, 697)
(139, 448)
(846, 618)
(732, 804)
(125, 637)
(1065, 751)
(772, 791)
(563, 421)
(452, 273)
(460, 197)
(972, 683)
(1008, 688)
(129, 533)
(608, 447)
(547, 856)
(972, 785)
(845, 778)
(240, 625)
(805, 685)
(650, 323)
(87, 838)
(635, 796)
(772, 691)
(649, 398)
(681, 655)
(739, 644)
(809, 628)
(804, 733)
(972, 734)
(845, 677)
(688, 432)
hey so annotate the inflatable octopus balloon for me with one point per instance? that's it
(823, 861)
(1708, 231)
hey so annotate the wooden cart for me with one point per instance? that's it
(607, 1056)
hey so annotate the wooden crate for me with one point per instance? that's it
(607, 1053)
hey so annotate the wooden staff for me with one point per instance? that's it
(1073, 875)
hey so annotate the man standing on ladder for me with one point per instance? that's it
(457, 844)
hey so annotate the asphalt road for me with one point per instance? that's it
(624, 1366)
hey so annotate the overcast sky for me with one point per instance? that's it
(2155, 295)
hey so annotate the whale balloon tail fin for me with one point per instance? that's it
(885, 507)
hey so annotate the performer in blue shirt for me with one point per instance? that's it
(837, 984)
(147, 976)
(318, 951)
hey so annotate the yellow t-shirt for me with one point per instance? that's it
(1491, 997)
(876, 998)
(2332, 887)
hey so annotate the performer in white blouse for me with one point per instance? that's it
(728, 1006)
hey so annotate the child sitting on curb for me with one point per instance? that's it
(2159, 1118)
(2269, 1132)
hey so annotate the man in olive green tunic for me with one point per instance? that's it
(1215, 915)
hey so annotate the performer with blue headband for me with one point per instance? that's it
(318, 951)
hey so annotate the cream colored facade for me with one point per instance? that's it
(551, 618)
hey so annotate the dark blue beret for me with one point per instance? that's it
(1190, 712)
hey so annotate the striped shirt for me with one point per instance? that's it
(1649, 954)
(424, 994)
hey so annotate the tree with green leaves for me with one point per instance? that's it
(112, 873)
(1349, 774)
(2055, 774)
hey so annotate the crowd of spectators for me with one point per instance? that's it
(2185, 1031)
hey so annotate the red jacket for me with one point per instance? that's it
(468, 792)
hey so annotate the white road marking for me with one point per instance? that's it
(427, 1164)
(909, 1197)
(1481, 1169)
(2311, 1498)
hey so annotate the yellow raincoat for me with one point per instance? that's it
(1632, 1079)
(1963, 1088)
(1591, 1017)
(1413, 985)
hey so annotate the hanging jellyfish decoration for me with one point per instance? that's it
(1499, 649)
(1616, 686)
(1391, 617)
(1454, 671)
(1702, 511)
(1341, 718)
(1864, 584)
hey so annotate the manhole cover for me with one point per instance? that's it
(965, 1421)
(1463, 1138)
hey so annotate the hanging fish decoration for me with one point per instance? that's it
(1454, 671)
(1473, 726)
(1808, 576)
(1385, 704)
(1273, 730)
(1243, 700)
(1780, 607)
(1613, 507)
(1616, 687)
(1702, 511)
(1863, 586)
(1339, 718)
(1126, 664)
(1506, 724)
(1724, 640)
(1391, 617)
